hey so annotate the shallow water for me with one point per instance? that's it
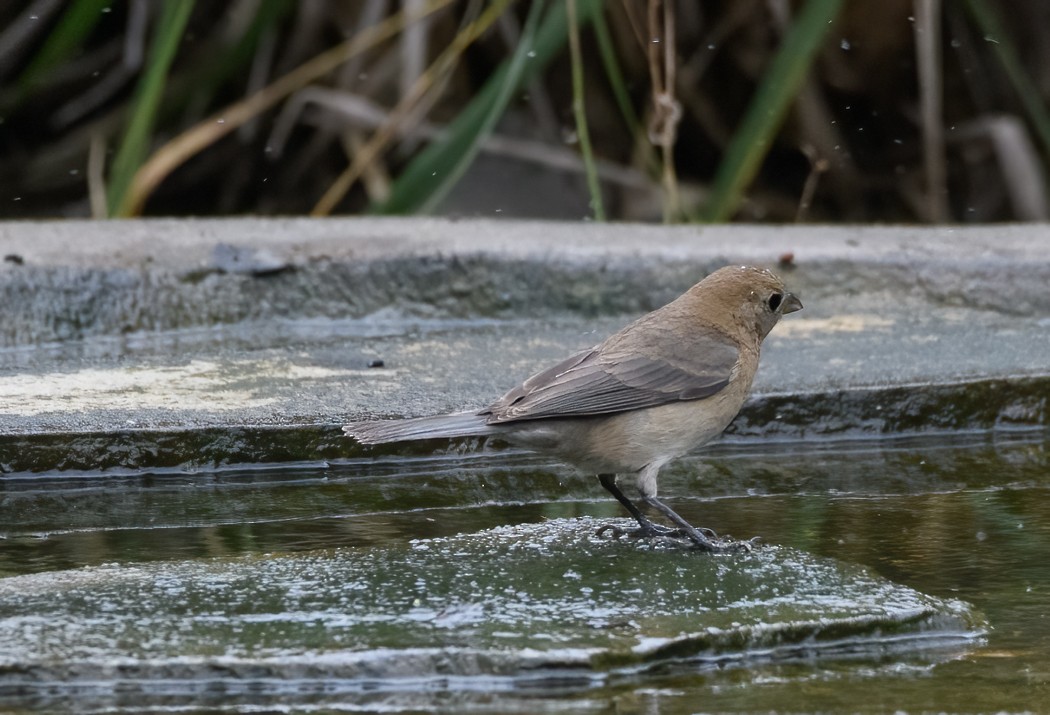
(964, 520)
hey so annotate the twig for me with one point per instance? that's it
(928, 48)
(96, 175)
(667, 112)
(817, 166)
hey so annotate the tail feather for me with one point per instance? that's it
(460, 424)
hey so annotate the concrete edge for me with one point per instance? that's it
(74, 280)
(898, 411)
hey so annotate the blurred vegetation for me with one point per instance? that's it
(761, 110)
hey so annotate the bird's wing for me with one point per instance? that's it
(607, 378)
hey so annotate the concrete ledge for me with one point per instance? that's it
(150, 344)
(70, 280)
(980, 406)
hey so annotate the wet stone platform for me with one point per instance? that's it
(530, 604)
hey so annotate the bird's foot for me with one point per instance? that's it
(727, 545)
(646, 531)
(703, 538)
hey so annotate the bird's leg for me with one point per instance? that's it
(646, 528)
(705, 539)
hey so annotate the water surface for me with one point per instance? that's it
(964, 520)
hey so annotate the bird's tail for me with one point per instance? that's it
(460, 424)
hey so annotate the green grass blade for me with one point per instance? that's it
(435, 170)
(206, 76)
(990, 25)
(614, 74)
(135, 145)
(69, 33)
(764, 116)
(579, 110)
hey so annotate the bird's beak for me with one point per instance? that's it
(790, 304)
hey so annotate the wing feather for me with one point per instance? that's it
(607, 379)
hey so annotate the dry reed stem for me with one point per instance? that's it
(405, 108)
(205, 133)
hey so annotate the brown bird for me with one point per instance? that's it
(667, 383)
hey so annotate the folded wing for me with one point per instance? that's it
(608, 379)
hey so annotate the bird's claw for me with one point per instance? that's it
(640, 532)
(729, 545)
(702, 538)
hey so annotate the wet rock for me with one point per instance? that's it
(548, 602)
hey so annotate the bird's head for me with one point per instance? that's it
(745, 298)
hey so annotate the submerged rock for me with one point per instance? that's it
(534, 602)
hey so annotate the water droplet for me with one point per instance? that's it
(844, 44)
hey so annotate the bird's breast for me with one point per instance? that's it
(629, 441)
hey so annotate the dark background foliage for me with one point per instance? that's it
(909, 111)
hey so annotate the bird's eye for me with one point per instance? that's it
(774, 301)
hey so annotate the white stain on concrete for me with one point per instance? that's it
(196, 385)
(851, 323)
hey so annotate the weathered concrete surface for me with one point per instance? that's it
(71, 279)
(166, 343)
